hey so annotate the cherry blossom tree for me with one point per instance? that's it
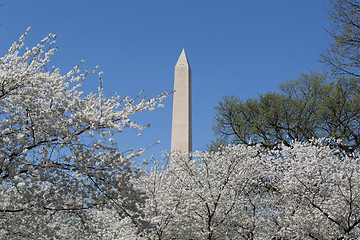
(58, 156)
(304, 191)
(318, 193)
(210, 195)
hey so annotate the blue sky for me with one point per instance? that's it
(234, 47)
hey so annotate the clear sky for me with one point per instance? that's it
(234, 47)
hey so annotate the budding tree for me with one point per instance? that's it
(310, 107)
(342, 55)
(57, 150)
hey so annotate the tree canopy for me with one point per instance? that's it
(306, 108)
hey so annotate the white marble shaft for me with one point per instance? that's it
(181, 134)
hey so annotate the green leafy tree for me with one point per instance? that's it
(306, 108)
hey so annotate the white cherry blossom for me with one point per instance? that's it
(55, 162)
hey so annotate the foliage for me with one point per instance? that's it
(57, 153)
(307, 108)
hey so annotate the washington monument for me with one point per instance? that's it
(181, 134)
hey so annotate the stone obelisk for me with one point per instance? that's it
(181, 134)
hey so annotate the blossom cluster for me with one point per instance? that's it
(55, 158)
